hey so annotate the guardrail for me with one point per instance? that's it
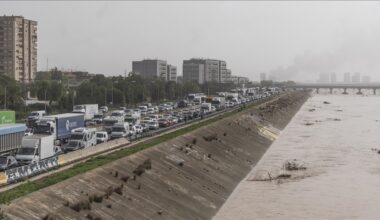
(23, 172)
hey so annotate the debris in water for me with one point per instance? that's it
(308, 123)
(293, 165)
(325, 102)
(312, 110)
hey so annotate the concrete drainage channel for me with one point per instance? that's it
(14, 177)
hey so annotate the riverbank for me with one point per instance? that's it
(188, 177)
(324, 165)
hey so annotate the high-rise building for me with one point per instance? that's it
(18, 48)
(333, 78)
(222, 74)
(324, 78)
(347, 78)
(213, 70)
(356, 78)
(263, 76)
(366, 79)
(193, 71)
(172, 73)
(150, 68)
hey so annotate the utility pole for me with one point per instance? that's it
(45, 99)
(5, 98)
(105, 97)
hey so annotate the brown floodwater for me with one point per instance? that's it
(335, 146)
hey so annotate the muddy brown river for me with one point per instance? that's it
(335, 148)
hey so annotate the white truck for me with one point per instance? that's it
(33, 117)
(120, 130)
(80, 138)
(133, 118)
(35, 148)
(110, 121)
(89, 110)
(206, 107)
(218, 102)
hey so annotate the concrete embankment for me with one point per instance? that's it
(188, 177)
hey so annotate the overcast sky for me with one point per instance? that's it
(292, 40)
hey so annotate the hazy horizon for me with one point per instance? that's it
(291, 40)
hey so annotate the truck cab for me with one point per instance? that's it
(206, 108)
(33, 117)
(109, 122)
(120, 130)
(80, 138)
(35, 148)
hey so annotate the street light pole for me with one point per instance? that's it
(5, 97)
(45, 99)
(112, 94)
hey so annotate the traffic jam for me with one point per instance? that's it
(45, 136)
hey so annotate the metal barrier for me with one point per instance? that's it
(20, 173)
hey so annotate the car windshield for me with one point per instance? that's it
(116, 114)
(99, 135)
(3, 160)
(78, 107)
(118, 129)
(72, 144)
(25, 151)
(152, 123)
(98, 116)
(33, 114)
(76, 136)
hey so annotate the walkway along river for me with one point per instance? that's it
(324, 165)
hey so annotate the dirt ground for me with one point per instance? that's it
(188, 177)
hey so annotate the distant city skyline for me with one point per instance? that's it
(252, 37)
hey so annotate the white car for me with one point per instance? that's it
(28, 132)
(138, 129)
(101, 137)
(153, 125)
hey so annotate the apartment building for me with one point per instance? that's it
(205, 70)
(151, 68)
(18, 48)
(171, 73)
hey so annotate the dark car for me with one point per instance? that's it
(163, 123)
(7, 162)
(182, 104)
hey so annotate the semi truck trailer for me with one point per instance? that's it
(89, 110)
(10, 137)
(59, 125)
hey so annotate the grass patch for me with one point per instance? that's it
(97, 161)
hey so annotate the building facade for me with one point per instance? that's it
(347, 78)
(171, 73)
(263, 76)
(356, 78)
(366, 79)
(324, 78)
(205, 70)
(18, 48)
(150, 68)
(193, 72)
(333, 78)
(239, 79)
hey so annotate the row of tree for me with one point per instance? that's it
(116, 91)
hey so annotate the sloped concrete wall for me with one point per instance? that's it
(189, 177)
